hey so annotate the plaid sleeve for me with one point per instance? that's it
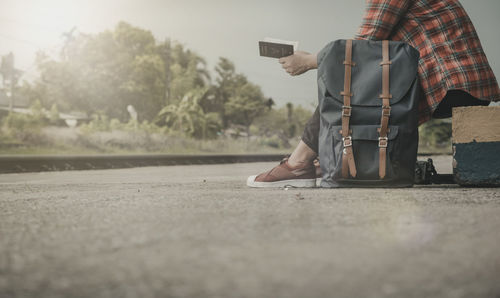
(381, 16)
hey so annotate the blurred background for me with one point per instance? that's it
(171, 76)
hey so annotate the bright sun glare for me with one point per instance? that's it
(38, 22)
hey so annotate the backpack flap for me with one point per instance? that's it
(367, 73)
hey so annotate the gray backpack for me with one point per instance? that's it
(368, 101)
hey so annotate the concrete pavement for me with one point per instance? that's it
(198, 231)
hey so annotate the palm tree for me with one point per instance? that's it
(188, 116)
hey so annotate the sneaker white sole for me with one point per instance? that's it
(284, 183)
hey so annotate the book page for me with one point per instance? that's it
(295, 44)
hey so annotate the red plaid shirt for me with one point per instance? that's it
(451, 56)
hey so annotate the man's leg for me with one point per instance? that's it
(456, 98)
(298, 170)
(307, 149)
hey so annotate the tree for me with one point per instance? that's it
(165, 52)
(435, 133)
(229, 88)
(245, 105)
(226, 84)
(188, 71)
(106, 72)
(270, 103)
(10, 76)
(189, 118)
(279, 122)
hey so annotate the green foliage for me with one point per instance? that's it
(38, 115)
(54, 114)
(168, 85)
(23, 128)
(435, 133)
(272, 122)
(226, 85)
(102, 123)
(136, 41)
(244, 106)
(188, 71)
(188, 116)
(98, 123)
(21, 122)
(105, 72)
(236, 100)
(274, 142)
(286, 122)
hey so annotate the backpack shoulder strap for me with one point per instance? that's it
(386, 109)
(348, 164)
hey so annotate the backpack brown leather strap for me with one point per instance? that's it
(348, 164)
(386, 109)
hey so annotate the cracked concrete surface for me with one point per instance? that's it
(198, 231)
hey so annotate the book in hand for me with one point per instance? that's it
(276, 48)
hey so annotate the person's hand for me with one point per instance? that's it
(298, 63)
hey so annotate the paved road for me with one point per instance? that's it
(198, 231)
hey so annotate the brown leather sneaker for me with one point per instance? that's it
(284, 175)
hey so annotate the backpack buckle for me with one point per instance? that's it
(386, 111)
(382, 142)
(346, 111)
(347, 141)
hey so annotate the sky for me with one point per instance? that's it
(215, 28)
